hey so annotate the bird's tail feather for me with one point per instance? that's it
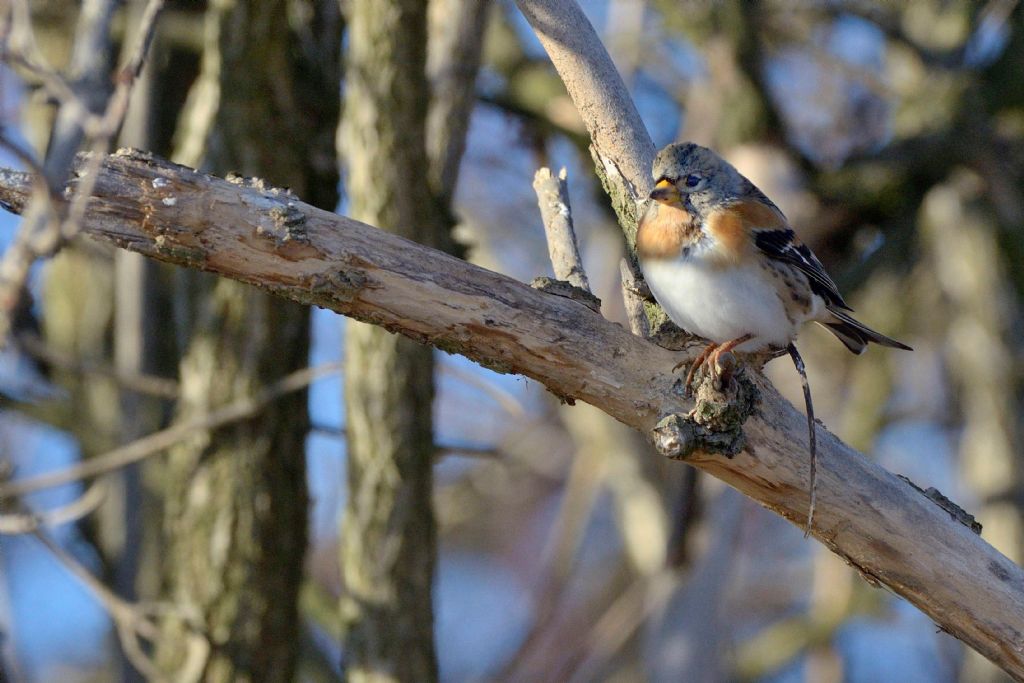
(855, 335)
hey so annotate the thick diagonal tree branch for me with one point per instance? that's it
(882, 525)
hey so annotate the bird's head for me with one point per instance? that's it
(694, 179)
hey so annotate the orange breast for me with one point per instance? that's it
(729, 233)
(664, 231)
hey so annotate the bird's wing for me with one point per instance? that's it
(774, 237)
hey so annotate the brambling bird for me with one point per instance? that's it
(725, 264)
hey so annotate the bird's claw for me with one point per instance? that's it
(698, 364)
(723, 369)
(717, 361)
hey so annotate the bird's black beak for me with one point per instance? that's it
(665, 192)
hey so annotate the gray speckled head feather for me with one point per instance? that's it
(677, 161)
(683, 158)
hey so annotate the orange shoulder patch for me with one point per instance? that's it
(664, 231)
(731, 226)
(755, 214)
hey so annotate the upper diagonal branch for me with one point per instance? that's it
(247, 231)
(595, 87)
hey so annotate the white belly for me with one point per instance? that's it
(720, 304)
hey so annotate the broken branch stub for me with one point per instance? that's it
(553, 199)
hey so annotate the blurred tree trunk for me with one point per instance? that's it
(130, 525)
(77, 290)
(388, 530)
(236, 514)
(401, 177)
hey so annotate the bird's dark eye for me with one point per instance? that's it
(692, 180)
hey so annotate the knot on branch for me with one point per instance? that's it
(954, 510)
(336, 286)
(289, 222)
(667, 335)
(715, 425)
(568, 290)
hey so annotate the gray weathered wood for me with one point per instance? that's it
(880, 524)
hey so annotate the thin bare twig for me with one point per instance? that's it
(473, 452)
(113, 117)
(83, 91)
(890, 23)
(442, 449)
(18, 48)
(156, 442)
(35, 346)
(29, 521)
(134, 622)
(553, 199)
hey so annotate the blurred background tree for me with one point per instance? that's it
(235, 499)
(891, 135)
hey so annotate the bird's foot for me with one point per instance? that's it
(696, 365)
(722, 362)
(715, 423)
(723, 369)
(716, 361)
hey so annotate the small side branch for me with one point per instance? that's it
(157, 442)
(149, 385)
(27, 522)
(553, 198)
(608, 111)
(632, 295)
(137, 624)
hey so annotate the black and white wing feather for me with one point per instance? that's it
(783, 245)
